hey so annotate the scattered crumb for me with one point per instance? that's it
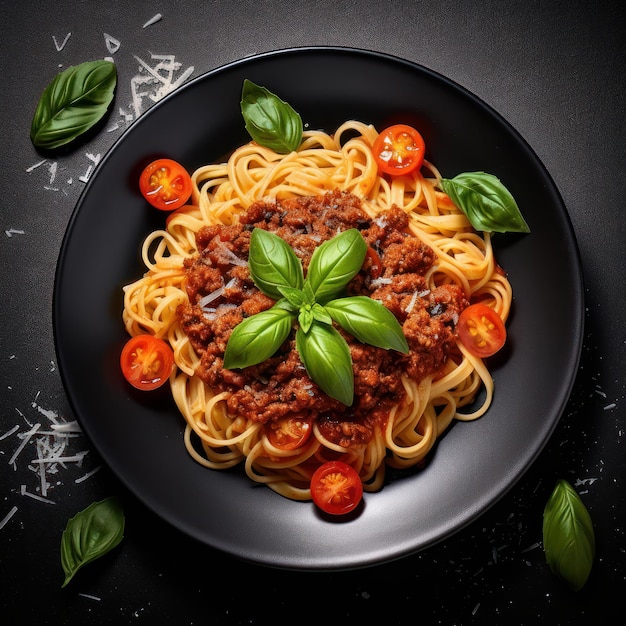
(89, 596)
(60, 46)
(153, 20)
(112, 44)
(7, 517)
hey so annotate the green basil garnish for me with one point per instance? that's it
(277, 272)
(72, 103)
(270, 121)
(369, 321)
(90, 534)
(335, 263)
(273, 264)
(258, 337)
(568, 536)
(486, 202)
(326, 357)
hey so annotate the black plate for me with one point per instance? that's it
(140, 435)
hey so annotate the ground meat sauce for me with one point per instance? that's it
(222, 293)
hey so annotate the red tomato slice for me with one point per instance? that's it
(399, 150)
(165, 184)
(373, 263)
(289, 433)
(336, 488)
(146, 362)
(481, 330)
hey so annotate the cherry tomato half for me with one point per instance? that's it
(481, 330)
(289, 433)
(146, 362)
(336, 488)
(373, 263)
(398, 150)
(165, 184)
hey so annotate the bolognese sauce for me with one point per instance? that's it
(222, 293)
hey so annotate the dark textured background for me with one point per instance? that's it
(556, 72)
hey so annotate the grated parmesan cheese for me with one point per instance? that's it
(112, 44)
(7, 517)
(90, 597)
(153, 20)
(411, 304)
(25, 439)
(34, 496)
(88, 474)
(60, 46)
(159, 80)
(9, 432)
(51, 446)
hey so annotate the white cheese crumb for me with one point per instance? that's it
(584, 481)
(89, 596)
(53, 171)
(85, 177)
(75, 458)
(95, 159)
(25, 439)
(9, 432)
(112, 44)
(49, 443)
(7, 517)
(67, 427)
(411, 304)
(161, 75)
(60, 46)
(88, 474)
(34, 496)
(35, 166)
(153, 20)
(50, 414)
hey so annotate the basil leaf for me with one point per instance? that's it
(321, 314)
(294, 296)
(335, 263)
(283, 303)
(326, 357)
(90, 534)
(308, 292)
(305, 319)
(369, 321)
(72, 103)
(258, 337)
(568, 536)
(487, 203)
(273, 264)
(270, 121)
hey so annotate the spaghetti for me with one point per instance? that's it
(324, 166)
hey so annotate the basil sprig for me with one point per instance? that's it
(73, 102)
(568, 536)
(315, 302)
(90, 534)
(486, 202)
(270, 121)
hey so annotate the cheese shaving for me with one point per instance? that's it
(153, 20)
(7, 517)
